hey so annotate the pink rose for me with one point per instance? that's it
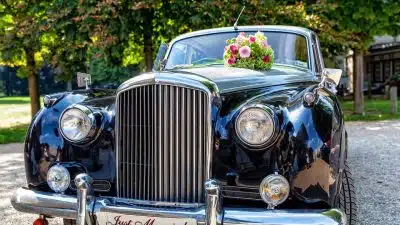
(265, 44)
(231, 61)
(266, 59)
(252, 39)
(240, 39)
(242, 34)
(234, 49)
(244, 52)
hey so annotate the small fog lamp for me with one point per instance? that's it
(274, 190)
(58, 178)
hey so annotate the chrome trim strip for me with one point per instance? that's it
(146, 203)
(58, 205)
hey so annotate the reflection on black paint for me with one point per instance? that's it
(309, 141)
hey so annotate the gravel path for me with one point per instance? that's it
(375, 162)
(374, 158)
(12, 173)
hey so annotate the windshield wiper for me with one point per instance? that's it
(181, 66)
(185, 66)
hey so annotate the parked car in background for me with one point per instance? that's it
(376, 88)
(196, 142)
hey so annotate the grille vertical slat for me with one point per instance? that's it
(148, 140)
(201, 165)
(139, 163)
(142, 166)
(125, 143)
(189, 140)
(171, 148)
(154, 143)
(183, 147)
(195, 150)
(130, 153)
(176, 147)
(159, 145)
(165, 144)
(146, 146)
(136, 143)
(162, 147)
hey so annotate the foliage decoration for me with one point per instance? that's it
(249, 51)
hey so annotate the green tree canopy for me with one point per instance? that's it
(113, 38)
(21, 33)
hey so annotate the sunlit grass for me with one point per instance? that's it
(15, 117)
(13, 134)
(14, 100)
(375, 109)
(14, 111)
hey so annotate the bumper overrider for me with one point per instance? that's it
(86, 208)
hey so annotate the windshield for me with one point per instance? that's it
(289, 49)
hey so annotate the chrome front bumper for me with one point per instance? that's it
(212, 213)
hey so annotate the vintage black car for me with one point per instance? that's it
(197, 142)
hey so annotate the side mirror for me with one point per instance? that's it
(332, 75)
(331, 79)
(159, 62)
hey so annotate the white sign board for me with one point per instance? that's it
(120, 219)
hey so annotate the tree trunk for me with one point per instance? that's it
(358, 79)
(148, 38)
(354, 77)
(33, 81)
(393, 99)
(369, 85)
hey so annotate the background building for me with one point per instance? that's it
(381, 62)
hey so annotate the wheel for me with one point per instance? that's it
(346, 200)
(69, 222)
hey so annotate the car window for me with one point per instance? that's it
(289, 49)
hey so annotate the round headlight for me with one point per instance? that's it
(255, 126)
(58, 178)
(274, 189)
(77, 123)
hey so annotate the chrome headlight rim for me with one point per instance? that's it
(272, 115)
(92, 120)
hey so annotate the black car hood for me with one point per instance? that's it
(229, 79)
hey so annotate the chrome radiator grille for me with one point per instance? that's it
(162, 143)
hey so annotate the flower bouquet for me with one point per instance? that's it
(249, 51)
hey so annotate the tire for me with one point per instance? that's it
(69, 222)
(346, 200)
